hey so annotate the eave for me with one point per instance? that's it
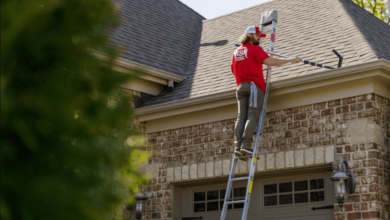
(150, 72)
(278, 88)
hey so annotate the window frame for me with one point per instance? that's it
(218, 187)
(219, 200)
(183, 195)
(326, 191)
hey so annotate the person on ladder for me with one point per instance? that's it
(247, 69)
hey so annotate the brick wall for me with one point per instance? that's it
(365, 144)
(354, 128)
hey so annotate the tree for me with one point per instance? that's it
(376, 7)
(63, 152)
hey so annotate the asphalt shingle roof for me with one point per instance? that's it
(157, 33)
(306, 28)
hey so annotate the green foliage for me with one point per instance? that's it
(376, 7)
(64, 154)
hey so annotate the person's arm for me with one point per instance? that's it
(231, 65)
(279, 62)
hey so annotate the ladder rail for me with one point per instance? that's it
(229, 188)
(259, 133)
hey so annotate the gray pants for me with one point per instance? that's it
(247, 116)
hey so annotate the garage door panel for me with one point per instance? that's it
(214, 216)
(306, 217)
(317, 190)
(287, 216)
(289, 209)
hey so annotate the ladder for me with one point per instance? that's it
(269, 17)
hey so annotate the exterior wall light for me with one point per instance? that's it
(140, 198)
(344, 183)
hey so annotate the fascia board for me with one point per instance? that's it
(185, 103)
(329, 74)
(148, 70)
(275, 86)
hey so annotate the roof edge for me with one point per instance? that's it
(184, 103)
(329, 74)
(192, 9)
(239, 10)
(148, 70)
(296, 81)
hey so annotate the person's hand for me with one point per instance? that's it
(296, 60)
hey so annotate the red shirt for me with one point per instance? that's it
(247, 65)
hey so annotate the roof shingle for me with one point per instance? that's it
(306, 28)
(156, 33)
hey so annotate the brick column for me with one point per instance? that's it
(364, 143)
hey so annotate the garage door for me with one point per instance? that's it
(272, 199)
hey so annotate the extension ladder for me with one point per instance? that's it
(267, 18)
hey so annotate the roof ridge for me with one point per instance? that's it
(240, 10)
(191, 9)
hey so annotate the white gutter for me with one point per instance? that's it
(277, 85)
(148, 70)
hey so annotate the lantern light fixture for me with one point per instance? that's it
(344, 183)
(139, 197)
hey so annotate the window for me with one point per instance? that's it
(285, 193)
(208, 201)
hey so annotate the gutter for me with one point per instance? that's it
(329, 74)
(277, 85)
(148, 70)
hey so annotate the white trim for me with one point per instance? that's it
(198, 114)
(148, 70)
(185, 103)
(300, 83)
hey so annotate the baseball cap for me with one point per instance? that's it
(254, 30)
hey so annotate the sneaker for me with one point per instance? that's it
(237, 152)
(243, 158)
(244, 151)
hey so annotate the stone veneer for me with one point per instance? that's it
(266, 162)
(355, 128)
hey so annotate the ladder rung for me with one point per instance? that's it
(235, 202)
(266, 31)
(239, 179)
(248, 155)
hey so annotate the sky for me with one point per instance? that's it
(214, 8)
